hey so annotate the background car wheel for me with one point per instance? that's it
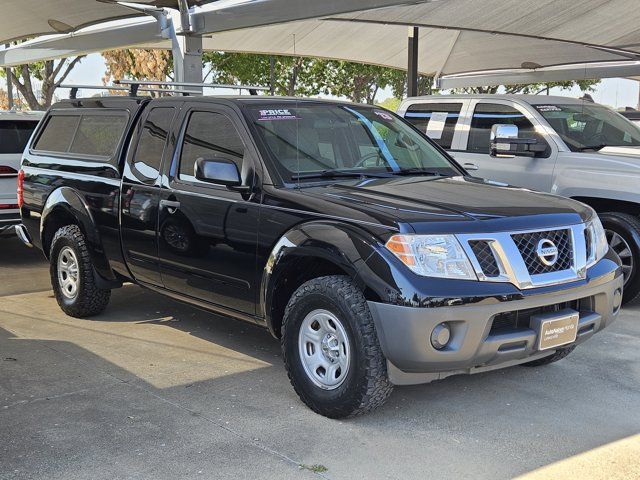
(72, 275)
(331, 349)
(558, 355)
(623, 235)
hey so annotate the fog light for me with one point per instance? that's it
(440, 336)
(617, 300)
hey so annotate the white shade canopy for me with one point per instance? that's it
(458, 38)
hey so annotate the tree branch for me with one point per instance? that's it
(67, 71)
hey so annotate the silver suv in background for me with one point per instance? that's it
(565, 146)
(15, 130)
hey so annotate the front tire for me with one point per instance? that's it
(331, 349)
(623, 235)
(72, 275)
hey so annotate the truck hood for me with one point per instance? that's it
(620, 151)
(448, 204)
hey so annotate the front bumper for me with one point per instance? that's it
(475, 345)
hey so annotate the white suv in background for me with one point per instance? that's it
(569, 147)
(15, 130)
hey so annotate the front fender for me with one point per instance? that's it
(344, 246)
(66, 202)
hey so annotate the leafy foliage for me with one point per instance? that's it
(137, 64)
(50, 73)
(533, 88)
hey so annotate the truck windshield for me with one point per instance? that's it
(309, 140)
(590, 127)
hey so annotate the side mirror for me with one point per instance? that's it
(218, 170)
(504, 143)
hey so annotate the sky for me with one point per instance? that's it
(614, 92)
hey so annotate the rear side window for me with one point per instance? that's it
(58, 133)
(88, 135)
(209, 135)
(98, 135)
(437, 120)
(14, 135)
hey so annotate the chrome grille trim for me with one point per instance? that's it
(512, 266)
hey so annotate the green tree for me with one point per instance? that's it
(532, 88)
(358, 82)
(50, 73)
(294, 76)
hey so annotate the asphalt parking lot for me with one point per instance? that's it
(155, 389)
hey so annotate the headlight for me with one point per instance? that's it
(597, 245)
(432, 256)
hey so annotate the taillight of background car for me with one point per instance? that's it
(20, 188)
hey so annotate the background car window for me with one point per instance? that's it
(589, 126)
(486, 115)
(421, 115)
(14, 135)
(148, 156)
(209, 135)
(98, 135)
(58, 133)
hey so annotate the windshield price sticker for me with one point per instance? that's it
(277, 114)
(549, 108)
(383, 115)
(436, 125)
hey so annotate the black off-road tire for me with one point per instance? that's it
(89, 299)
(366, 385)
(628, 227)
(558, 355)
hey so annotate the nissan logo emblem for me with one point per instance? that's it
(547, 252)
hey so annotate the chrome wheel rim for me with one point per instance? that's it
(619, 245)
(68, 273)
(324, 349)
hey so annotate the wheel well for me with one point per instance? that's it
(293, 273)
(602, 205)
(54, 221)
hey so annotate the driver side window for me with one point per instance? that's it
(209, 135)
(486, 115)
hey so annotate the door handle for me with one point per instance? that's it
(470, 166)
(170, 205)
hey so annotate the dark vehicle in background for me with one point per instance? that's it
(631, 114)
(355, 240)
(15, 130)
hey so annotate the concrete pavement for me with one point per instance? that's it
(155, 389)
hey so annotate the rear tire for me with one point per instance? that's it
(331, 349)
(627, 246)
(558, 355)
(72, 275)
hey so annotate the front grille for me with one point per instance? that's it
(484, 256)
(527, 244)
(519, 319)
(587, 241)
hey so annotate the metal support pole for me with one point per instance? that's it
(412, 62)
(187, 59)
(7, 71)
(272, 75)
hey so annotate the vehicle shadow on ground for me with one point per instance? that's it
(184, 374)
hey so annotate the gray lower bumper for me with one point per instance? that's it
(405, 332)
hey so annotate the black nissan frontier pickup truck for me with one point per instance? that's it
(342, 229)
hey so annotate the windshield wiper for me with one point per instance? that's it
(595, 148)
(419, 171)
(337, 174)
